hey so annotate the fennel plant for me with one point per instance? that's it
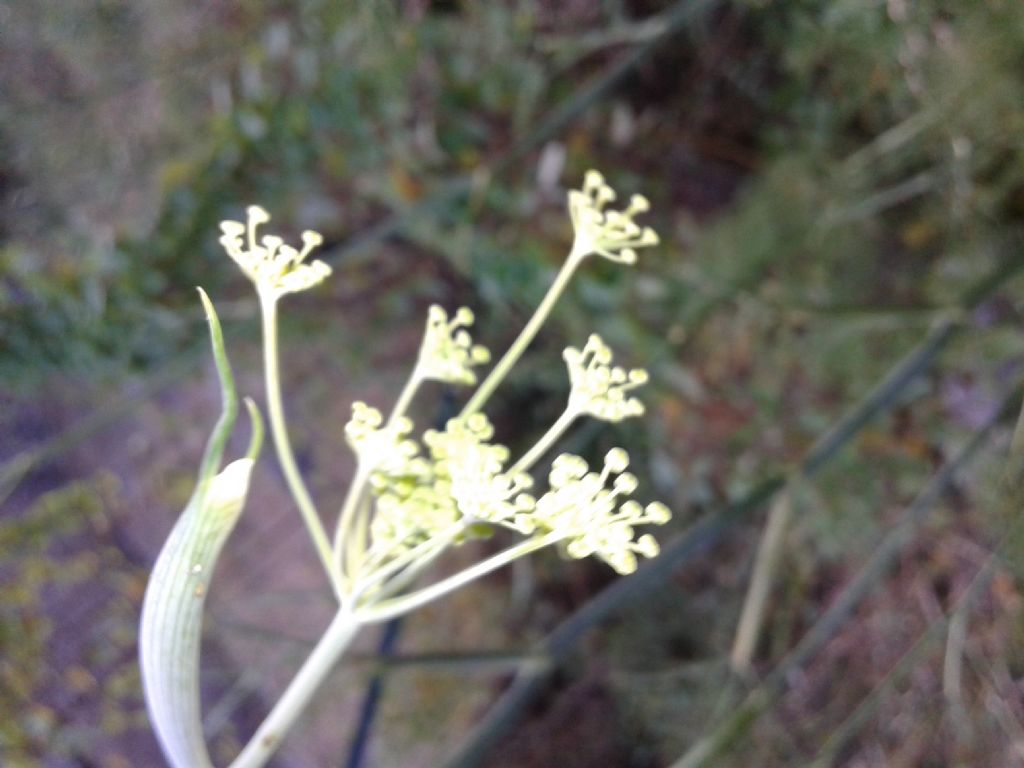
(411, 499)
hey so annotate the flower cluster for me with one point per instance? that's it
(411, 508)
(275, 267)
(609, 233)
(377, 445)
(447, 352)
(475, 468)
(592, 518)
(598, 388)
(463, 482)
(456, 479)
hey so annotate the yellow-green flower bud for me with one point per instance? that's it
(592, 518)
(608, 233)
(598, 388)
(274, 267)
(447, 352)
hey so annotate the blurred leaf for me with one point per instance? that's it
(170, 629)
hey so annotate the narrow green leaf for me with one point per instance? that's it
(169, 635)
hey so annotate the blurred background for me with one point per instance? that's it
(832, 324)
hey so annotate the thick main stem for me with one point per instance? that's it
(486, 389)
(296, 485)
(296, 697)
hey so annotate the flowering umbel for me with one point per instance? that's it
(592, 518)
(461, 480)
(598, 388)
(274, 266)
(377, 444)
(608, 233)
(447, 352)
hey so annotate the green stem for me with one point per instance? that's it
(268, 305)
(297, 696)
(486, 389)
(353, 520)
(406, 396)
(343, 535)
(359, 536)
(423, 549)
(395, 607)
(542, 446)
(406, 577)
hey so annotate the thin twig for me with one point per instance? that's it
(765, 566)
(952, 672)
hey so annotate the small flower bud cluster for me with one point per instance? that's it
(462, 481)
(275, 267)
(475, 467)
(412, 502)
(380, 447)
(410, 510)
(448, 353)
(593, 518)
(608, 233)
(598, 388)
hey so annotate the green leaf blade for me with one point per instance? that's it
(171, 625)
